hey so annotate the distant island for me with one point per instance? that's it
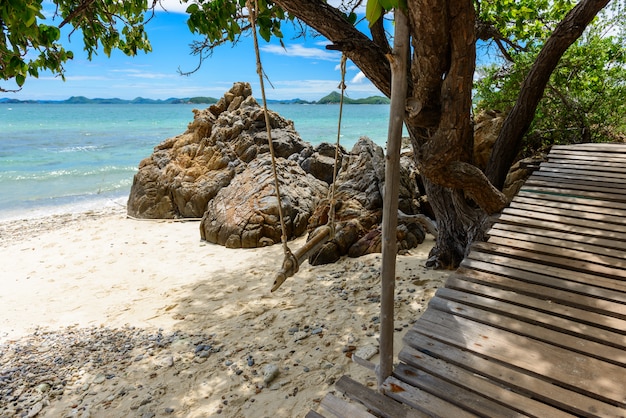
(332, 98)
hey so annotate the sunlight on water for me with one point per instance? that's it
(60, 155)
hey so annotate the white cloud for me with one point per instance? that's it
(173, 6)
(301, 51)
(359, 78)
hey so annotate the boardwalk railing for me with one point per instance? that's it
(533, 323)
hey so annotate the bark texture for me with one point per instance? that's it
(439, 103)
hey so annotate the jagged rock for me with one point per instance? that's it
(322, 161)
(185, 172)
(245, 214)
(518, 174)
(359, 201)
(487, 126)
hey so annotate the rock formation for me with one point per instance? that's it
(359, 202)
(185, 172)
(244, 214)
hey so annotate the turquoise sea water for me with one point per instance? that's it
(64, 158)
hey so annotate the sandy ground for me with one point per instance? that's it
(104, 316)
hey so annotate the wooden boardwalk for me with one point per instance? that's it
(533, 323)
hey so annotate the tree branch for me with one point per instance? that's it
(330, 22)
(520, 117)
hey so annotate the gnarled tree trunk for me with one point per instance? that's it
(439, 105)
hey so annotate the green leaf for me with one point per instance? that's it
(373, 11)
(20, 79)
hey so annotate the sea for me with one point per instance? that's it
(63, 158)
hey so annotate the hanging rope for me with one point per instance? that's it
(291, 262)
(342, 87)
(268, 129)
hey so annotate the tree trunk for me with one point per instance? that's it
(439, 105)
(518, 121)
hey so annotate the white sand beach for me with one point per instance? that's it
(105, 316)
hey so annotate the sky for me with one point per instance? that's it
(305, 69)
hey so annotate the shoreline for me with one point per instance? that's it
(194, 324)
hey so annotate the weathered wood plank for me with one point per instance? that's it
(597, 227)
(472, 400)
(420, 367)
(374, 401)
(530, 385)
(587, 375)
(576, 213)
(578, 188)
(422, 400)
(545, 187)
(601, 169)
(580, 177)
(611, 278)
(532, 282)
(343, 409)
(590, 147)
(313, 414)
(593, 245)
(599, 165)
(562, 249)
(548, 225)
(540, 198)
(525, 323)
(547, 205)
(606, 329)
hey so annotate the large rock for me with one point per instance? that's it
(487, 125)
(245, 214)
(185, 172)
(359, 202)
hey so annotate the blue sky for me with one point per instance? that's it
(304, 70)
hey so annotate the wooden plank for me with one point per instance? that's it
(587, 375)
(544, 187)
(583, 205)
(569, 200)
(532, 386)
(603, 229)
(533, 283)
(599, 165)
(578, 270)
(586, 155)
(376, 402)
(421, 400)
(420, 367)
(601, 169)
(547, 225)
(592, 146)
(313, 414)
(606, 329)
(578, 212)
(588, 178)
(592, 245)
(526, 323)
(343, 409)
(467, 398)
(578, 188)
(583, 285)
(562, 248)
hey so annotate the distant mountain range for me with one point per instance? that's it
(332, 98)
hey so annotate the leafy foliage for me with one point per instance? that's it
(585, 100)
(29, 42)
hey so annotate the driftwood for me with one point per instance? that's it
(423, 220)
(292, 261)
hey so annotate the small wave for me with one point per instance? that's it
(55, 174)
(79, 148)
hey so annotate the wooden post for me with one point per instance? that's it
(399, 73)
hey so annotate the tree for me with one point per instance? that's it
(439, 103)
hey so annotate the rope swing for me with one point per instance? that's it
(292, 260)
